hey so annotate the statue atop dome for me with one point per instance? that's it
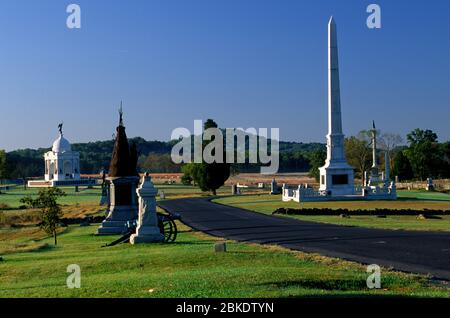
(120, 115)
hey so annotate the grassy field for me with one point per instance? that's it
(33, 267)
(11, 198)
(190, 268)
(407, 200)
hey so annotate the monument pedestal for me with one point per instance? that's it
(123, 205)
(337, 179)
(147, 230)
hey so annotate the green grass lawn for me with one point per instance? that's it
(190, 268)
(12, 197)
(407, 200)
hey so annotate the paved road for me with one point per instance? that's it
(410, 251)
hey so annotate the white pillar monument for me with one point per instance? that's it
(147, 228)
(336, 176)
(374, 171)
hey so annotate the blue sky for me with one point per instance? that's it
(244, 63)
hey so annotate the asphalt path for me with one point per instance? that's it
(411, 251)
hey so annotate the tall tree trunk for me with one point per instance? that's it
(214, 191)
(54, 236)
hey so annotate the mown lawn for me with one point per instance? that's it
(11, 198)
(190, 268)
(407, 200)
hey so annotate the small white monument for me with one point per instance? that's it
(374, 177)
(430, 185)
(147, 228)
(274, 187)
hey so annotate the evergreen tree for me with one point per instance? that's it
(210, 176)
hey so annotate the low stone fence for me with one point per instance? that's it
(439, 184)
(376, 212)
(308, 194)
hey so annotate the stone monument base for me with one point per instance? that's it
(116, 221)
(336, 178)
(147, 234)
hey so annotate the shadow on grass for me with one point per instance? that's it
(28, 248)
(44, 248)
(329, 285)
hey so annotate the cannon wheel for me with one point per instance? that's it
(167, 227)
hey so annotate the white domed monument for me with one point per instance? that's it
(62, 166)
(61, 163)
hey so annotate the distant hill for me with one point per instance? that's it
(96, 155)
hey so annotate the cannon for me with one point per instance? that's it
(167, 227)
(166, 224)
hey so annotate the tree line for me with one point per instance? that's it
(422, 157)
(154, 156)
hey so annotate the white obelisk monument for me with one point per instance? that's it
(336, 176)
(374, 173)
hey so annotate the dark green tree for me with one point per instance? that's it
(424, 153)
(317, 160)
(188, 171)
(402, 167)
(51, 212)
(211, 176)
(3, 165)
(444, 168)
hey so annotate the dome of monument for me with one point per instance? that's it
(61, 145)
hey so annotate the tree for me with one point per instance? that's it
(210, 176)
(317, 160)
(188, 171)
(3, 165)
(402, 167)
(158, 163)
(51, 212)
(424, 153)
(358, 152)
(444, 170)
(389, 143)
